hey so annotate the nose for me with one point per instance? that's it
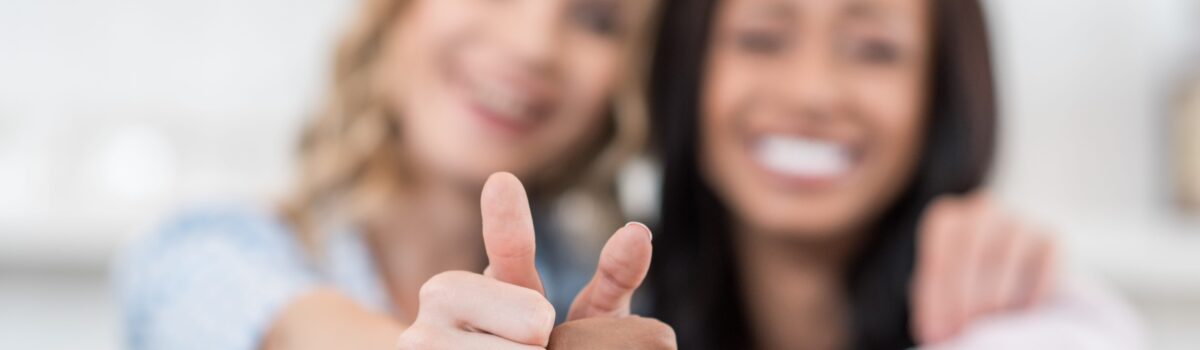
(534, 35)
(812, 86)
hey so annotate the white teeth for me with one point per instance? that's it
(799, 156)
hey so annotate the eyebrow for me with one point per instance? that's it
(867, 10)
(782, 10)
(863, 10)
(875, 12)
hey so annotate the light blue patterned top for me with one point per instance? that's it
(215, 278)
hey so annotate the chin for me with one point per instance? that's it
(479, 165)
(808, 220)
(806, 227)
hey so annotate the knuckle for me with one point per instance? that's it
(1006, 222)
(618, 273)
(1049, 248)
(660, 335)
(540, 321)
(646, 326)
(976, 209)
(940, 215)
(417, 337)
(987, 215)
(1038, 239)
(946, 205)
(980, 199)
(440, 287)
(1044, 236)
(537, 323)
(534, 323)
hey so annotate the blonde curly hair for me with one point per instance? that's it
(350, 164)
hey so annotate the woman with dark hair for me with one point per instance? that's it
(823, 170)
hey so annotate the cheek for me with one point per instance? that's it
(728, 85)
(729, 82)
(895, 108)
(899, 138)
(723, 162)
(418, 48)
(895, 114)
(589, 76)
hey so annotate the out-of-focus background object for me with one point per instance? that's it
(114, 112)
(1187, 141)
(1090, 104)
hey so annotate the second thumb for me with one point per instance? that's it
(624, 263)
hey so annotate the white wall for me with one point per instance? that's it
(112, 111)
(1087, 86)
(1085, 89)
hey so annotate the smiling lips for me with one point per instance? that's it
(802, 157)
(505, 105)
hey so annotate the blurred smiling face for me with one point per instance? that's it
(517, 85)
(813, 110)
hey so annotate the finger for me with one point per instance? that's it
(474, 302)
(993, 234)
(1041, 270)
(1008, 255)
(508, 232)
(623, 265)
(938, 228)
(971, 273)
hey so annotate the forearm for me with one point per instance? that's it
(326, 319)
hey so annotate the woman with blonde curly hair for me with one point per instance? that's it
(428, 99)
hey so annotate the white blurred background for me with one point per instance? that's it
(114, 112)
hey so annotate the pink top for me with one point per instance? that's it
(1079, 316)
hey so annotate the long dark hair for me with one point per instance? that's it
(694, 274)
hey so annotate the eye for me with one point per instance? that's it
(598, 17)
(760, 41)
(875, 51)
